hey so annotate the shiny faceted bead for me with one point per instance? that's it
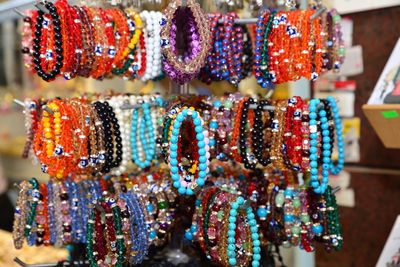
(162, 205)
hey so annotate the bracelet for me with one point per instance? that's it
(339, 135)
(231, 251)
(20, 215)
(188, 183)
(319, 187)
(185, 70)
(33, 202)
(258, 135)
(249, 161)
(48, 76)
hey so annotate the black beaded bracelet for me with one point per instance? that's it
(259, 144)
(58, 43)
(247, 58)
(117, 135)
(250, 161)
(109, 155)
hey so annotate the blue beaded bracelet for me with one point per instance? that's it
(147, 138)
(339, 136)
(203, 147)
(231, 251)
(139, 235)
(52, 220)
(315, 112)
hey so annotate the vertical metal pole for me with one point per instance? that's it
(303, 89)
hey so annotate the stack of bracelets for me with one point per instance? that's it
(140, 161)
(234, 174)
(182, 42)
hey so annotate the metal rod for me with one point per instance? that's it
(65, 263)
(127, 106)
(49, 110)
(254, 106)
(19, 102)
(16, 10)
(318, 13)
(242, 21)
(42, 8)
(336, 189)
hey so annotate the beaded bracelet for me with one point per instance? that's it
(292, 135)
(58, 43)
(339, 135)
(263, 28)
(188, 183)
(277, 128)
(135, 25)
(306, 225)
(249, 161)
(51, 213)
(20, 215)
(231, 251)
(139, 237)
(148, 143)
(33, 202)
(334, 227)
(75, 212)
(40, 218)
(185, 70)
(88, 56)
(319, 187)
(258, 135)
(27, 38)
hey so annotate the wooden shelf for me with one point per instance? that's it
(385, 119)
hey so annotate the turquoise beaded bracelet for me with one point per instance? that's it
(231, 251)
(319, 186)
(339, 136)
(185, 183)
